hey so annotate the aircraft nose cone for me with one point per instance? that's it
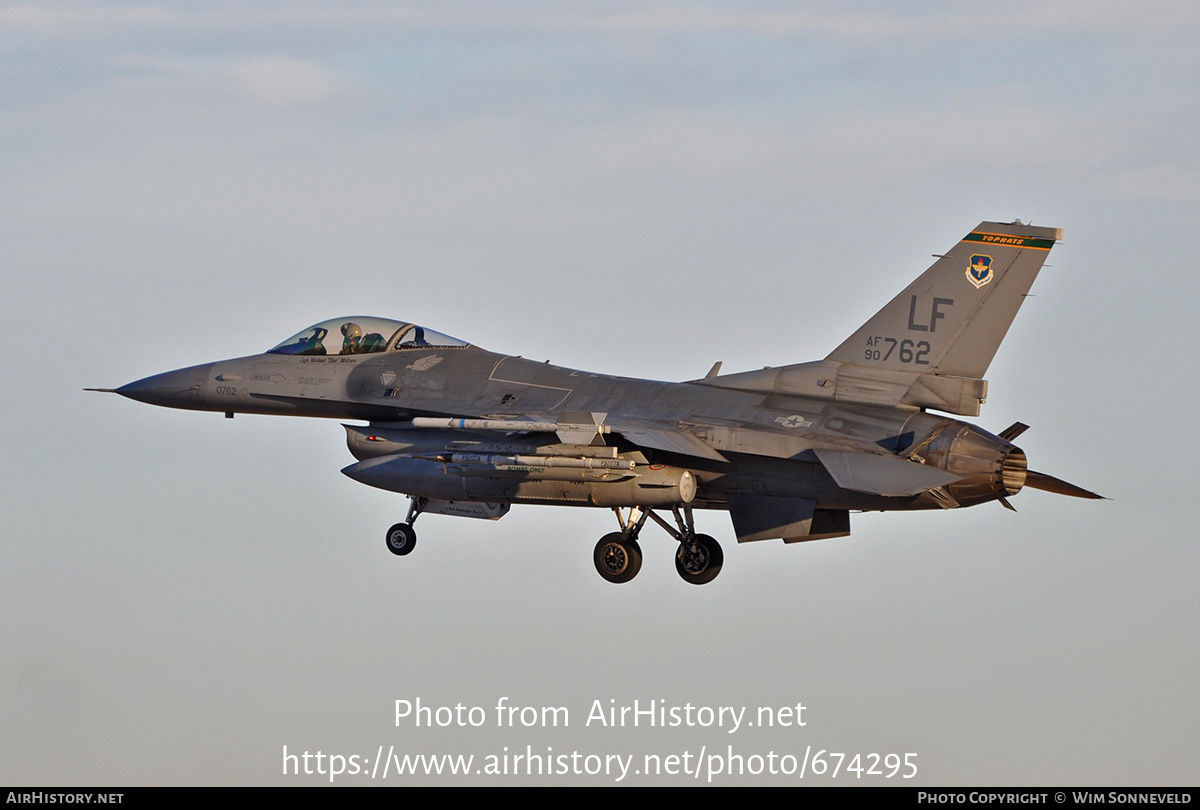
(183, 388)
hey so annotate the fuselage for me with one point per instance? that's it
(766, 439)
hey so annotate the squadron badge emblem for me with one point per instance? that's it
(979, 271)
(425, 363)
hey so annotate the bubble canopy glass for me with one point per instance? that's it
(363, 335)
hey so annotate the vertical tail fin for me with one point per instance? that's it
(950, 321)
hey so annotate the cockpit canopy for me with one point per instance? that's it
(362, 335)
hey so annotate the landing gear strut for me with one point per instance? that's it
(402, 538)
(618, 557)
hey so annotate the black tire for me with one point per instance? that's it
(699, 560)
(401, 539)
(617, 558)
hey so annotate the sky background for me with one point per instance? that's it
(634, 189)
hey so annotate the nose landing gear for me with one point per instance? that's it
(402, 538)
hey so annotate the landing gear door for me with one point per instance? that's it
(483, 511)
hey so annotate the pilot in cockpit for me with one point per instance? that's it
(351, 338)
(414, 338)
(364, 335)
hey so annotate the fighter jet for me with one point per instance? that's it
(789, 452)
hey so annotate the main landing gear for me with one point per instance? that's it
(618, 556)
(402, 538)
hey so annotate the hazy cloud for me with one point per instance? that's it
(48, 16)
(284, 81)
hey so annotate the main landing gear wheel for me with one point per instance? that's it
(699, 559)
(618, 557)
(401, 539)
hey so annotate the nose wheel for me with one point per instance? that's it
(402, 538)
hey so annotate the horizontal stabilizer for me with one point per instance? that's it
(1048, 483)
(881, 475)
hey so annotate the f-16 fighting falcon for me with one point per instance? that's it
(789, 452)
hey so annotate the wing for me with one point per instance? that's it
(578, 427)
